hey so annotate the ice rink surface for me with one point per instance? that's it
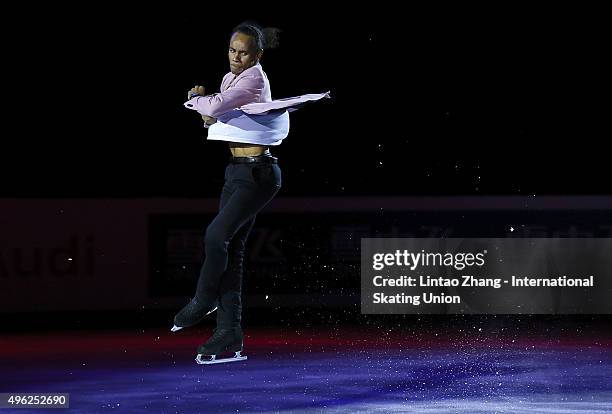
(312, 370)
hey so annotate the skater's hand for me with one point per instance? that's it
(196, 90)
(209, 120)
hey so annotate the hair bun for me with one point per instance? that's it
(264, 38)
(271, 37)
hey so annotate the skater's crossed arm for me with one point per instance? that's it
(248, 89)
(200, 91)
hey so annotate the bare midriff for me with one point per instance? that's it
(239, 149)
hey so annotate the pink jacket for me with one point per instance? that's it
(249, 92)
(245, 110)
(251, 86)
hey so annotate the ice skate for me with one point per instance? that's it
(194, 312)
(222, 341)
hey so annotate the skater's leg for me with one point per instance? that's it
(251, 187)
(234, 260)
(228, 335)
(250, 195)
(232, 278)
(197, 308)
(229, 312)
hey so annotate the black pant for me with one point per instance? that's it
(246, 191)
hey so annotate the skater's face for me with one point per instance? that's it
(243, 53)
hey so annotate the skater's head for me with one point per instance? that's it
(247, 45)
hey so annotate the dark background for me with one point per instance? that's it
(464, 100)
(437, 100)
(444, 100)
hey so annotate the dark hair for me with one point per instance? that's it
(265, 38)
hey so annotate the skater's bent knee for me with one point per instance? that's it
(215, 240)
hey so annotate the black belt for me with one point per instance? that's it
(259, 158)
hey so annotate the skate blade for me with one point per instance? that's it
(214, 360)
